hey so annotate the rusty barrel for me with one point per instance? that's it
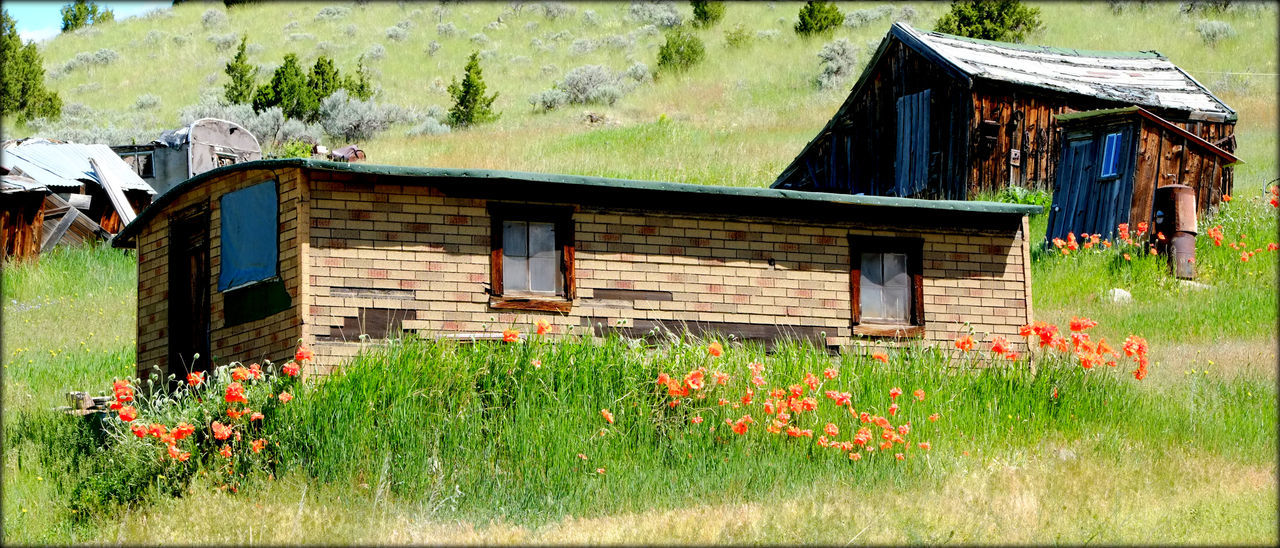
(1174, 218)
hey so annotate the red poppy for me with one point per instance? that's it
(236, 413)
(880, 421)
(715, 349)
(195, 378)
(721, 377)
(965, 343)
(904, 429)
(303, 353)
(600, 471)
(156, 429)
(510, 335)
(581, 456)
(220, 431)
(225, 451)
(178, 455)
(183, 430)
(768, 407)
(255, 370)
(239, 374)
(832, 430)
(139, 430)
(256, 416)
(663, 379)
(290, 369)
(894, 393)
(831, 372)
(812, 381)
(696, 420)
(695, 379)
(1226, 197)
(999, 345)
(285, 397)
(880, 356)
(608, 417)
(1135, 346)
(128, 413)
(854, 455)
(235, 393)
(934, 417)
(808, 404)
(122, 391)
(1082, 324)
(899, 456)
(115, 405)
(925, 445)
(258, 444)
(919, 394)
(746, 398)
(543, 327)
(740, 427)
(893, 409)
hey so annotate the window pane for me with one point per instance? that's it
(870, 287)
(896, 300)
(542, 274)
(515, 273)
(895, 270)
(514, 239)
(559, 276)
(542, 240)
(1111, 155)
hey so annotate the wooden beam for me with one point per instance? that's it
(54, 236)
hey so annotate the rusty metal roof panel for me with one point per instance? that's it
(63, 165)
(1144, 77)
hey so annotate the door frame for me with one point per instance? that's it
(189, 316)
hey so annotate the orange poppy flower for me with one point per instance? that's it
(696, 420)
(894, 393)
(1226, 197)
(236, 413)
(510, 335)
(156, 429)
(757, 380)
(673, 403)
(542, 326)
(1082, 324)
(581, 456)
(925, 445)
(285, 397)
(695, 379)
(811, 380)
(746, 398)
(115, 405)
(183, 430)
(880, 356)
(904, 429)
(608, 417)
(893, 409)
(303, 353)
(178, 455)
(235, 393)
(255, 370)
(225, 451)
(139, 430)
(854, 455)
(663, 379)
(220, 431)
(715, 349)
(740, 427)
(128, 413)
(934, 417)
(258, 444)
(600, 471)
(832, 430)
(831, 372)
(239, 374)
(808, 404)
(919, 394)
(721, 377)
(290, 369)
(999, 345)
(899, 456)
(256, 416)
(965, 343)
(195, 378)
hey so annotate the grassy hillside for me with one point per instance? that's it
(737, 119)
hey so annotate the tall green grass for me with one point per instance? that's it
(473, 431)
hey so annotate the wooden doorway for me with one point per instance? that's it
(189, 292)
(1094, 187)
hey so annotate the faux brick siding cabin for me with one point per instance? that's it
(242, 262)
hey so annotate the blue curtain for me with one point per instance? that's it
(249, 235)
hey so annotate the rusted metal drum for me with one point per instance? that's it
(1174, 229)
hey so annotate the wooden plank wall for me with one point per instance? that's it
(1166, 158)
(21, 224)
(857, 156)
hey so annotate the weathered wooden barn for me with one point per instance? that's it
(182, 153)
(91, 178)
(21, 216)
(942, 116)
(1114, 159)
(242, 262)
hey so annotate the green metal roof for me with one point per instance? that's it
(570, 181)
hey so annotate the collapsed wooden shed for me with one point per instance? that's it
(91, 178)
(21, 216)
(1113, 161)
(942, 116)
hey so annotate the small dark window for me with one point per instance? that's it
(532, 257)
(141, 164)
(886, 286)
(1111, 155)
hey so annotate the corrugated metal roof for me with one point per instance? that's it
(583, 183)
(11, 183)
(1142, 78)
(63, 165)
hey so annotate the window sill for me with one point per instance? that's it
(889, 330)
(546, 304)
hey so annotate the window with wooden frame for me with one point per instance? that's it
(886, 286)
(531, 259)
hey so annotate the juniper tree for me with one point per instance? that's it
(240, 88)
(22, 90)
(470, 106)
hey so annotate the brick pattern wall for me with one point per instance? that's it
(378, 247)
(271, 338)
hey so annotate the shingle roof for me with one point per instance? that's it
(1143, 78)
